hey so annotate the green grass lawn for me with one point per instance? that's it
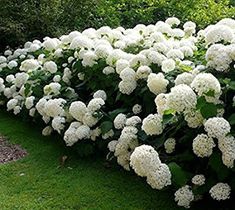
(36, 182)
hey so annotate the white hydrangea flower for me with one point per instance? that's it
(40, 106)
(12, 64)
(95, 133)
(121, 64)
(193, 118)
(189, 24)
(217, 127)
(89, 119)
(181, 98)
(219, 57)
(89, 58)
(52, 89)
(157, 83)
(169, 145)
(160, 177)
(11, 104)
(54, 107)
(136, 109)
(70, 136)
(168, 65)
(220, 191)
(50, 66)
(120, 121)
(67, 75)
(3, 59)
(152, 124)
(95, 104)
(100, 94)
(125, 146)
(184, 196)
(199, 179)
(133, 121)
(127, 87)
(50, 43)
(161, 103)
(143, 72)
(77, 110)
(47, 131)
(20, 79)
(32, 112)
(127, 74)
(218, 33)
(144, 159)
(29, 102)
(16, 110)
(112, 145)
(203, 145)
(175, 54)
(227, 147)
(10, 78)
(108, 70)
(156, 57)
(83, 132)
(81, 76)
(228, 22)
(58, 53)
(205, 82)
(58, 123)
(109, 134)
(57, 78)
(81, 42)
(173, 21)
(184, 78)
(29, 64)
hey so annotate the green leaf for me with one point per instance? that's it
(232, 85)
(231, 119)
(179, 176)
(167, 118)
(115, 112)
(27, 89)
(106, 126)
(38, 91)
(210, 93)
(201, 101)
(169, 111)
(209, 110)
(216, 164)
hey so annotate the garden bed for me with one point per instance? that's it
(10, 152)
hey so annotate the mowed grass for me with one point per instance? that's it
(37, 182)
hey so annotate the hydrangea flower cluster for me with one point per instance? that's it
(147, 93)
(146, 163)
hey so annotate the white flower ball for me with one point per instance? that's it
(184, 196)
(169, 145)
(100, 94)
(220, 191)
(157, 83)
(199, 179)
(50, 66)
(152, 124)
(77, 110)
(203, 145)
(83, 132)
(217, 127)
(168, 65)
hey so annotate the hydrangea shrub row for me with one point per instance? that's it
(160, 97)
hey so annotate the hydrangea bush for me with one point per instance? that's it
(159, 97)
